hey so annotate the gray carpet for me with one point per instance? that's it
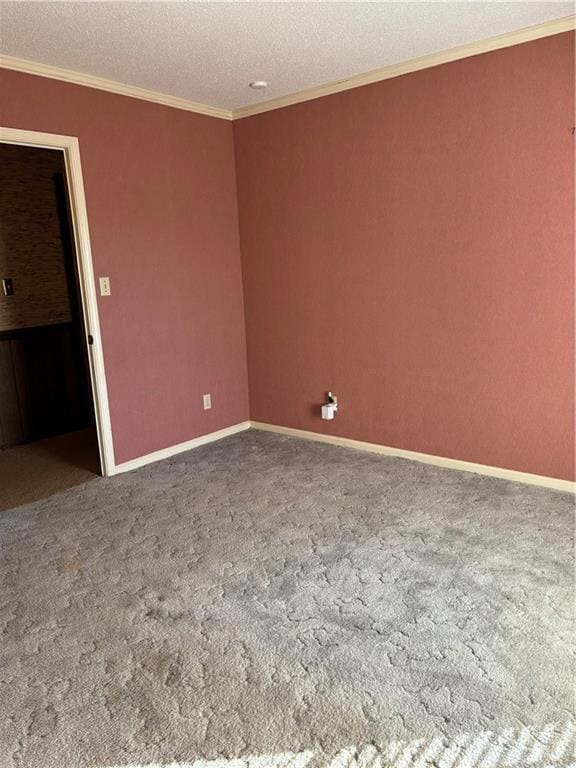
(311, 605)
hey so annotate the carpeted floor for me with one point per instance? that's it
(37, 470)
(303, 603)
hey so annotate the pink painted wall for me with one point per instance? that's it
(410, 244)
(161, 198)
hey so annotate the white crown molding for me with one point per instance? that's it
(424, 458)
(172, 450)
(91, 81)
(546, 29)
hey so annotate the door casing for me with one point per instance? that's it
(70, 147)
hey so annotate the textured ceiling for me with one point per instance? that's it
(209, 51)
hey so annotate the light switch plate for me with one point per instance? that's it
(207, 401)
(105, 286)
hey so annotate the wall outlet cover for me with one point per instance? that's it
(105, 286)
(207, 401)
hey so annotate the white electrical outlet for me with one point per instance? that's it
(207, 401)
(105, 286)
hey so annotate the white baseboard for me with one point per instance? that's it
(425, 458)
(440, 461)
(172, 450)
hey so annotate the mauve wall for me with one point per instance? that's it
(161, 198)
(410, 244)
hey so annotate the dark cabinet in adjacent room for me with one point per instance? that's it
(43, 390)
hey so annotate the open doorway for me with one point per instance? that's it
(49, 427)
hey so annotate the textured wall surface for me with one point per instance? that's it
(161, 198)
(30, 239)
(410, 245)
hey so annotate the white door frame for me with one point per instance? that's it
(70, 147)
